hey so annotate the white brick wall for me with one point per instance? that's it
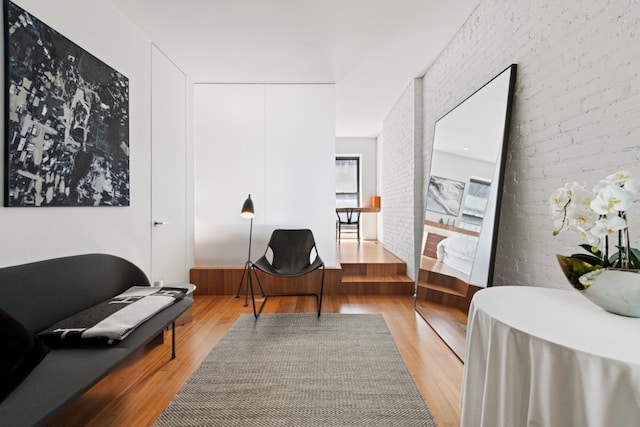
(401, 141)
(576, 116)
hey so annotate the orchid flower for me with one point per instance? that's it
(612, 199)
(608, 226)
(598, 215)
(578, 216)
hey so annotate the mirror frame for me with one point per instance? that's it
(500, 167)
(489, 231)
(441, 320)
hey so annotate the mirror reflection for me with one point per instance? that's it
(461, 207)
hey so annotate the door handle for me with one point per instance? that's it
(157, 223)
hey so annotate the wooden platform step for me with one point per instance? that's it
(226, 281)
(444, 289)
(364, 278)
(392, 269)
(439, 281)
(371, 288)
(365, 268)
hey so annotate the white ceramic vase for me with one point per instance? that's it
(615, 290)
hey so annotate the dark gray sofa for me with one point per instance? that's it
(41, 293)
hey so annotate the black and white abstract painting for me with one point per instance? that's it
(67, 120)
(444, 195)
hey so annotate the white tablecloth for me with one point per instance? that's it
(548, 357)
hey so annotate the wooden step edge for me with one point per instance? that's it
(393, 270)
(442, 289)
(362, 264)
(355, 278)
(202, 268)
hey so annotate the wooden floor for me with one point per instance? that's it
(350, 251)
(137, 393)
(446, 313)
(448, 322)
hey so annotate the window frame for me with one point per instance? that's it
(358, 191)
(469, 220)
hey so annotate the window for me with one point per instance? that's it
(475, 204)
(347, 182)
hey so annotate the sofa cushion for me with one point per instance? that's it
(20, 352)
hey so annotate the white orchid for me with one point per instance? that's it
(612, 199)
(580, 217)
(563, 195)
(598, 215)
(608, 227)
(571, 205)
(633, 185)
(618, 178)
(587, 236)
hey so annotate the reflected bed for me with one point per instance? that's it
(458, 252)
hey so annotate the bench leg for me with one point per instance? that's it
(173, 340)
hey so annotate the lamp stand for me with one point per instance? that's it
(246, 277)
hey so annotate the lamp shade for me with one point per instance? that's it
(247, 208)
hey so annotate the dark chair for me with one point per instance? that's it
(291, 251)
(349, 221)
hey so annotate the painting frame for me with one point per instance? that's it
(444, 195)
(66, 120)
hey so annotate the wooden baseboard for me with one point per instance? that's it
(227, 281)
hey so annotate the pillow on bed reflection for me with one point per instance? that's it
(460, 246)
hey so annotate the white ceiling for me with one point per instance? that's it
(371, 49)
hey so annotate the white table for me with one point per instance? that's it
(548, 357)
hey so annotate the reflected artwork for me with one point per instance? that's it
(67, 120)
(444, 195)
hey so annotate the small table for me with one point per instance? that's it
(548, 357)
(349, 212)
(361, 210)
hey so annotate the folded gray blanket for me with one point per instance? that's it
(111, 320)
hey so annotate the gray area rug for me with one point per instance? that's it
(301, 370)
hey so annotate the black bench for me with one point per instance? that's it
(41, 293)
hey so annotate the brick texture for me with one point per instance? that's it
(402, 173)
(576, 117)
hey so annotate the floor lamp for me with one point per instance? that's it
(248, 212)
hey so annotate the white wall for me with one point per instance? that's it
(402, 175)
(380, 186)
(366, 149)
(275, 142)
(30, 234)
(576, 114)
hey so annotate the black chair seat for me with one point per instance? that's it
(263, 265)
(291, 257)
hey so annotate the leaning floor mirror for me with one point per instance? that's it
(462, 206)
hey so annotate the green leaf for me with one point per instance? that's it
(590, 259)
(590, 248)
(634, 257)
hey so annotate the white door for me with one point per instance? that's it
(168, 171)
